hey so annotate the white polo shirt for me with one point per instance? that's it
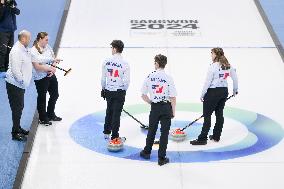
(115, 74)
(46, 58)
(217, 77)
(20, 66)
(160, 86)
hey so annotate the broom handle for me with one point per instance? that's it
(200, 117)
(57, 67)
(133, 118)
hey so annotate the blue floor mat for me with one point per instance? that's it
(11, 151)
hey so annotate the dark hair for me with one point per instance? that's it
(118, 45)
(220, 57)
(39, 36)
(161, 60)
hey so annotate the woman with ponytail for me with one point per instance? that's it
(45, 79)
(214, 94)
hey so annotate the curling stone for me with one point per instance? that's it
(178, 135)
(116, 144)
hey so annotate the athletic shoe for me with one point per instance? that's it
(19, 137)
(45, 123)
(211, 138)
(144, 155)
(23, 131)
(55, 118)
(163, 161)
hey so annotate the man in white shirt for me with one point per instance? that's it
(162, 98)
(115, 81)
(18, 78)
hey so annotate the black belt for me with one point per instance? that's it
(118, 90)
(161, 102)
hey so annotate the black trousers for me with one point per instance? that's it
(160, 112)
(115, 101)
(6, 38)
(50, 85)
(214, 100)
(16, 100)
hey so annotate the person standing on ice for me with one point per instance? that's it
(115, 81)
(45, 79)
(162, 98)
(214, 95)
(18, 79)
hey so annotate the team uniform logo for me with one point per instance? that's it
(158, 86)
(224, 75)
(114, 71)
(157, 89)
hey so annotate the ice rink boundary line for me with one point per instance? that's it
(164, 47)
(33, 129)
(270, 29)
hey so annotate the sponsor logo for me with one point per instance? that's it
(178, 28)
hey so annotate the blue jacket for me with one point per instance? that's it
(8, 18)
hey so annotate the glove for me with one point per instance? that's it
(16, 11)
(103, 94)
(235, 92)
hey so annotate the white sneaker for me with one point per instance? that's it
(107, 136)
